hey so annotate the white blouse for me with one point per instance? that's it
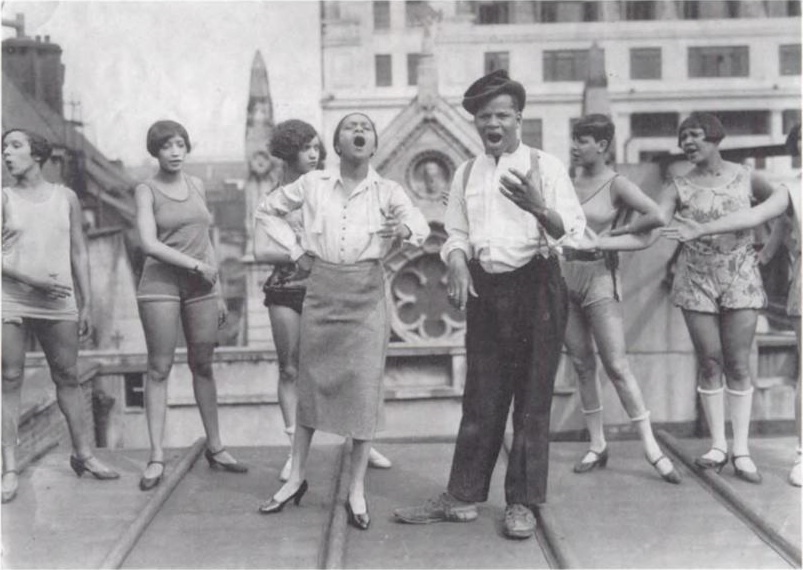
(339, 228)
(487, 226)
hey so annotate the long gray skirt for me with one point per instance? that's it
(344, 338)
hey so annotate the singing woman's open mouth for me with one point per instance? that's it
(359, 141)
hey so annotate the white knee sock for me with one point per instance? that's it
(713, 402)
(741, 404)
(596, 431)
(644, 429)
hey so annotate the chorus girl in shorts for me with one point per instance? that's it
(298, 145)
(44, 254)
(592, 278)
(178, 287)
(717, 282)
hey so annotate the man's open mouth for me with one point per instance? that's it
(494, 137)
(359, 141)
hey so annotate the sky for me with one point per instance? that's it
(131, 63)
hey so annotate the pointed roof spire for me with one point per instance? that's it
(259, 118)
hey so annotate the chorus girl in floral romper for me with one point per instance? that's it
(717, 283)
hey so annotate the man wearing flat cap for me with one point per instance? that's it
(508, 212)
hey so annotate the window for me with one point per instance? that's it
(640, 10)
(789, 118)
(744, 122)
(493, 13)
(732, 8)
(645, 63)
(384, 70)
(690, 10)
(719, 61)
(568, 11)
(497, 60)
(565, 65)
(412, 68)
(793, 7)
(381, 14)
(134, 390)
(654, 124)
(413, 10)
(789, 56)
(531, 132)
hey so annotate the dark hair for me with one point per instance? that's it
(712, 127)
(600, 127)
(289, 137)
(41, 149)
(162, 131)
(792, 145)
(340, 125)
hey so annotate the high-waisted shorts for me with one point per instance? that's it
(589, 282)
(165, 282)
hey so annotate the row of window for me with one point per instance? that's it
(645, 63)
(512, 12)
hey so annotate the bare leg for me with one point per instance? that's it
(160, 319)
(301, 446)
(286, 326)
(13, 363)
(704, 329)
(200, 322)
(794, 474)
(608, 329)
(359, 464)
(580, 346)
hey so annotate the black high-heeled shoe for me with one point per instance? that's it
(749, 476)
(274, 506)
(81, 465)
(148, 483)
(672, 476)
(601, 460)
(235, 467)
(361, 521)
(706, 463)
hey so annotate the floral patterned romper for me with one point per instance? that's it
(718, 271)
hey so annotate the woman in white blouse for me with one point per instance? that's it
(351, 218)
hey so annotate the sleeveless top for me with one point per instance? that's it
(704, 204)
(36, 241)
(183, 225)
(599, 209)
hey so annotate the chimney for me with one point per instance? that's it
(35, 67)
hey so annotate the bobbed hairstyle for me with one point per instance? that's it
(289, 137)
(599, 127)
(162, 131)
(41, 149)
(792, 146)
(340, 126)
(712, 127)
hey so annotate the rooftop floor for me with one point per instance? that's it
(623, 516)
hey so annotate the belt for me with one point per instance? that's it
(580, 255)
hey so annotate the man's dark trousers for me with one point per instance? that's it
(514, 335)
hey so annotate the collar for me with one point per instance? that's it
(371, 179)
(521, 149)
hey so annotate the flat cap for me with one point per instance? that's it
(489, 86)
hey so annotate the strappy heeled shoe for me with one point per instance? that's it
(361, 521)
(706, 463)
(601, 460)
(235, 467)
(273, 506)
(672, 476)
(82, 465)
(148, 483)
(8, 495)
(749, 476)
